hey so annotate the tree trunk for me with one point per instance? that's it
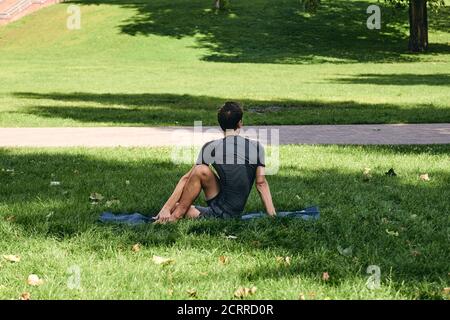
(418, 25)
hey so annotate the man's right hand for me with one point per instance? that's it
(163, 215)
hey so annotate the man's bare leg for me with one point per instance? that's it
(200, 178)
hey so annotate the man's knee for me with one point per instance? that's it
(203, 171)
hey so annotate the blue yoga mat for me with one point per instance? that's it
(310, 213)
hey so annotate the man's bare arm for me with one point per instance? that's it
(176, 195)
(264, 191)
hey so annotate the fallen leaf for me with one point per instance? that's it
(243, 292)
(96, 197)
(223, 259)
(10, 218)
(113, 202)
(284, 260)
(162, 261)
(25, 296)
(392, 233)
(33, 280)
(192, 293)
(415, 253)
(301, 297)
(424, 177)
(136, 247)
(391, 173)
(325, 276)
(203, 273)
(447, 290)
(366, 174)
(11, 258)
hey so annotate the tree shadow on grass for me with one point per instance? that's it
(172, 109)
(278, 31)
(402, 79)
(354, 213)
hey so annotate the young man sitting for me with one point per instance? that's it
(225, 170)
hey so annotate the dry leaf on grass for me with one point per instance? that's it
(192, 293)
(113, 202)
(415, 253)
(325, 276)
(284, 260)
(301, 297)
(95, 197)
(366, 174)
(34, 280)
(25, 296)
(136, 247)
(243, 292)
(11, 258)
(447, 290)
(424, 177)
(162, 260)
(224, 259)
(392, 233)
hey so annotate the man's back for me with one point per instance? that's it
(234, 160)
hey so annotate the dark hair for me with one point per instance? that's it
(229, 115)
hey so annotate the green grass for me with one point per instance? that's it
(172, 62)
(54, 227)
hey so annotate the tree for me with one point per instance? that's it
(220, 4)
(418, 21)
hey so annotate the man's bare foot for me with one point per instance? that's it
(163, 215)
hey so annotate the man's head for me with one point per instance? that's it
(230, 116)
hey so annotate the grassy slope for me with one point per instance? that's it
(173, 62)
(53, 228)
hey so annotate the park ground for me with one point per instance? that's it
(400, 224)
(163, 62)
(169, 63)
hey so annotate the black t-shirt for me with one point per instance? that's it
(234, 160)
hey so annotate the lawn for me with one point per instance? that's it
(164, 62)
(400, 224)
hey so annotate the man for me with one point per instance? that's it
(225, 170)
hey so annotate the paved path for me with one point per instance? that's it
(167, 136)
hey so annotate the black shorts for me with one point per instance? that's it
(213, 210)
